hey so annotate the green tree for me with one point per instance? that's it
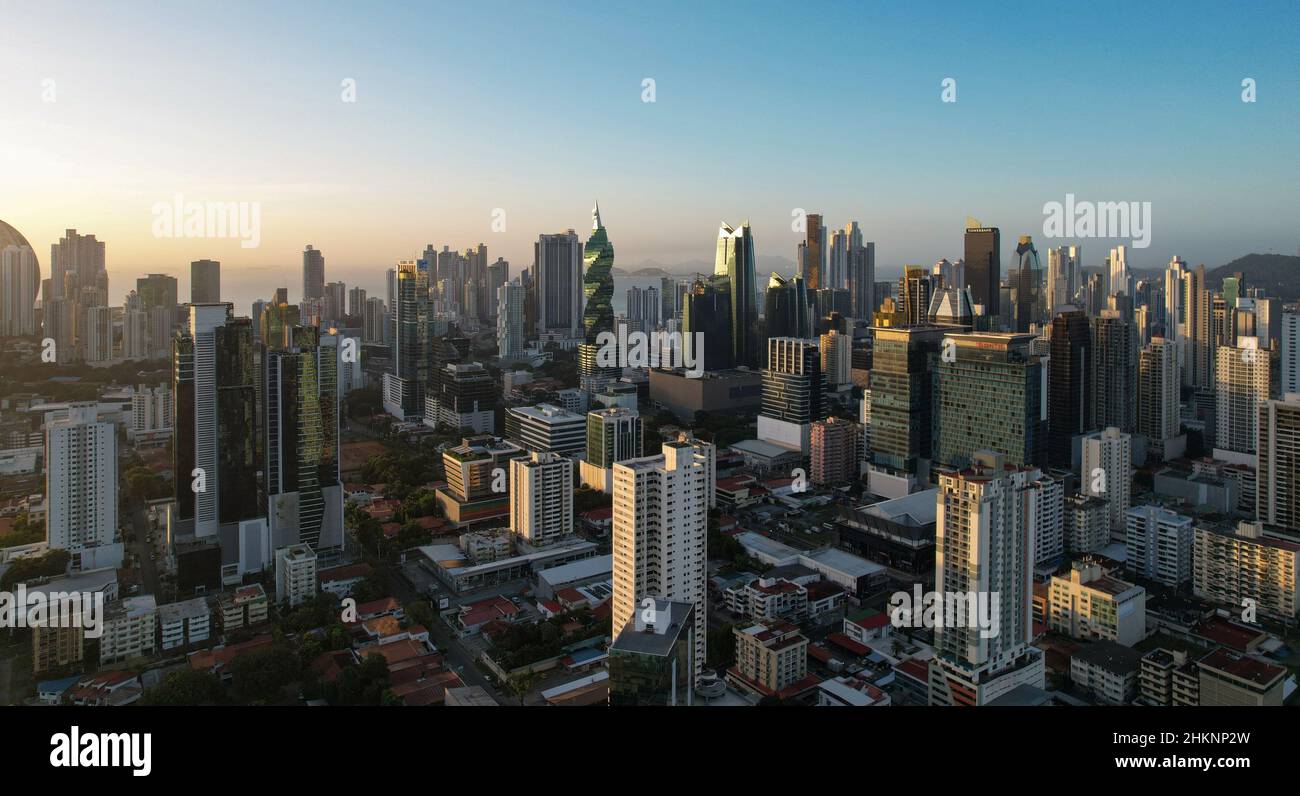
(186, 687)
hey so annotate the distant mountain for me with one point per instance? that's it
(1277, 274)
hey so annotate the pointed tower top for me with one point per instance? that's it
(595, 215)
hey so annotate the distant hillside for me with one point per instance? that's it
(1278, 274)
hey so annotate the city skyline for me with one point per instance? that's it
(369, 186)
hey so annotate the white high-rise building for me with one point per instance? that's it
(541, 498)
(1045, 501)
(1158, 545)
(20, 281)
(1119, 274)
(1063, 266)
(1158, 397)
(1241, 384)
(982, 552)
(512, 338)
(152, 410)
(660, 527)
(837, 358)
(95, 335)
(81, 484)
(1107, 473)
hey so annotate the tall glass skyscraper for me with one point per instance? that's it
(1028, 286)
(598, 306)
(735, 260)
(984, 265)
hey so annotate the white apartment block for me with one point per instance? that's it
(1231, 566)
(769, 600)
(1159, 545)
(1092, 606)
(1290, 348)
(184, 623)
(658, 535)
(981, 550)
(1045, 502)
(541, 498)
(81, 482)
(1240, 385)
(295, 575)
(130, 630)
(1107, 473)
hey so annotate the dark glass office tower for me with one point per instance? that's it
(984, 267)
(1028, 286)
(914, 291)
(301, 475)
(708, 310)
(901, 397)
(237, 425)
(405, 387)
(598, 306)
(788, 310)
(735, 261)
(1068, 411)
(183, 421)
(988, 396)
(814, 252)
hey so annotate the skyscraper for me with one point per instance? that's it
(836, 358)
(812, 253)
(613, 435)
(205, 282)
(1119, 277)
(735, 260)
(914, 291)
(598, 307)
(984, 265)
(862, 274)
(787, 310)
(301, 445)
(1107, 473)
(983, 547)
(404, 387)
(313, 274)
(512, 337)
(901, 401)
(1290, 353)
(20, 282)
(1278, 495)
(793, 392)
(75, 262)
(373, 317)
(81, 487)
(1063, 268)
(1158, 397)
(706, 311)
(988, 396)
(1241, 376)
(541, 498)
(659, 536)
(1028, 285)
(558, 273)
(1113, 376)
(1069, 368)
(216, 439)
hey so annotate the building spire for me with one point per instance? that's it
(595, 215)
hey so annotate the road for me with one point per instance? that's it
(460, 659)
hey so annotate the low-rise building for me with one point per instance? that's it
(1231, 679)
(184, 623)
(130, 630)
(1168, 677)
(768, 600)
(1109, 671)
(246, 607)
(1090, 605)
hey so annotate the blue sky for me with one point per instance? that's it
(536, 109)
